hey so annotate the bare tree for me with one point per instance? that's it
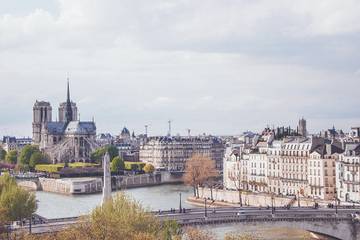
(198, 170)
(236, 178)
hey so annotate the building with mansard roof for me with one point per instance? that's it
(171, 153)
(65, 140)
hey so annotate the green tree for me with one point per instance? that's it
(98, 154)
(134, 221)
(26, 153)
(12, 157)
(6, 181)
(19, 203)
(15, 202)
(2, 154)
(149, 168)
(36, 158)
(112, 150)
(117, 164)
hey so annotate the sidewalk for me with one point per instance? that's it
(199, 202)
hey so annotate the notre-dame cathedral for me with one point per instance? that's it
(65, 140)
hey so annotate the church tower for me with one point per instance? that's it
(302, 127)
(41, 115)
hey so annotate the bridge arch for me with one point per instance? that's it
(338, 229)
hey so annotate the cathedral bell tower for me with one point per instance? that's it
(41, 116)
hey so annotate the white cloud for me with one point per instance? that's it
(137, 61)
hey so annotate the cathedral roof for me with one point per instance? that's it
(80, 128)
(55, 128)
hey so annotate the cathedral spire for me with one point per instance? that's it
(68, 91)
(69, 112)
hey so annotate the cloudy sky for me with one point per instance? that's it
(213, 66)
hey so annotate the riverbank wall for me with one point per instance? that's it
(231, 198)
(31, 185)
(134, 181)
(86, 185)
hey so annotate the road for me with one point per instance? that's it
(253, 213)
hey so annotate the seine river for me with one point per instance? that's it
(163, 197)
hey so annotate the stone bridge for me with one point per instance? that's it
(343, 224)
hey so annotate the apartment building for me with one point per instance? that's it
(348, 174)
(171, 153)
(301, 166)
(322, 171)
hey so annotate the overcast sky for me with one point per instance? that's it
(219, 67)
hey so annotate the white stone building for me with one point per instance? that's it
(171, 153)
(236, 162)
(274, 171)
(294, 166)
(321, 171)
(348, 174)
(257, 169)
(13, 143)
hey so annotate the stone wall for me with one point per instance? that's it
(55, 185)
(122, 182)
(93, 185)
(256, 199)
(30, 185)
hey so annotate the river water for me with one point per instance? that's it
(164, 197)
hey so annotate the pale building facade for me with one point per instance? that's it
(294, 166)
(274, 167)
(322, 171)
(13, 143)
(236, 162)
(348, 174)
(294, 161)
(171, 153)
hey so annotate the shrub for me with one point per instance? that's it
(50, 168)
(149, 168)
(134, 166)
(81, 165)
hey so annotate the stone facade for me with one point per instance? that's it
(13, 143)
(321, 171)
(294, 166)
(171, 153)
(348, 174)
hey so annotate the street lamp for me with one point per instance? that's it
(336, 201)
(180, 207)
(336, 206)
(205, 209)
(30, 220)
